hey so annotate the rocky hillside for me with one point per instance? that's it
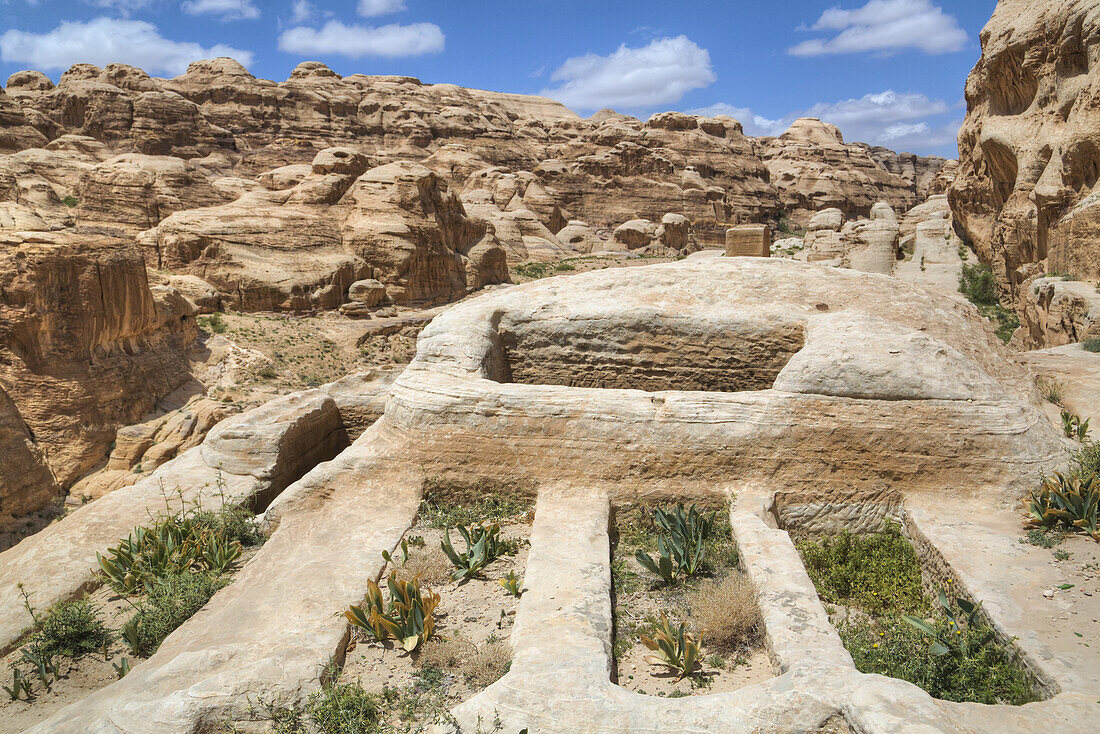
(1030, 144)
(128, 204)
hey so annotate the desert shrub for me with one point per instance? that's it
(1044, 538)
(1053, 391)
(70, 629)
(564, 267)
(532, 270)
(70, 201)
(1091, 345)
(344, 709)
(478, 665)
(727, 609)
(431, 565)
(1085, 461)
(169, 603)
(214, 323)
(878, 572)
(232, 523)
(449, 503)
(977, 283)
(892, 647)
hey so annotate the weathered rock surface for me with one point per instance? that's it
(248, 458)
(86, 346)
(1054, 312)
(813, 168)
(762, 337)
(1029, 159)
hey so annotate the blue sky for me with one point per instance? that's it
(888, 72)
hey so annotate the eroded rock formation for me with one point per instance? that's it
(1030, 144)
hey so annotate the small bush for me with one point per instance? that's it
(1091, 345)
(532, 270)
(1053, 391)
(878, 572)
(170, 603)
(214, 323)
(431, 565)
(977, 283)
(231, 523)
(1044, 538)
(344, 709)
(564, 267)
(727, 609)
(71, 629)
(70, 201)
(478, 665)
(893, 647)
(1085, 461)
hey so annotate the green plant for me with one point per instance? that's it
(532, 270)
(482, 548)
(1044, 538)
(1074, 427)
(977, 283)
(1053, 391)
(169, 602)
(344, 709)
(121, 668)
(20, 686)
(214, 323)
(404, 553)
(878, 572)
(564, 267)
(947, 637)
(1061, 555)
(676, 648)
(43, 664)
(893, 647)
(70, 629)
(170, 546)
(1085, 460)
(1069, 501)
(407, 616)
(681, 543)
(449, 502)
(70, 201)
(511, 584)
(1092, 344)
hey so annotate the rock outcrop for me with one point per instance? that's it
(86, 346)
(1029, 147)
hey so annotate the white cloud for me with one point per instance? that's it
(374, 8)
(885, 25)
(658, 73)
(108, 40)
(301, 11)
(355, 41)
(901, 121)
(226, 9)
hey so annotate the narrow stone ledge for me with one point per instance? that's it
(797, 627)
(276, 628)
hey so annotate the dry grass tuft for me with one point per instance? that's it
(1053, 391)
(431, 565)
(727, 611)
(479, 665)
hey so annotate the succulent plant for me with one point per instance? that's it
(676, 648)
(407, 616)
(1070, 501)
(681, 543)
(483, 546)
(960, 635)
(511, 584)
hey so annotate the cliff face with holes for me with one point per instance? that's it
(1029, 149)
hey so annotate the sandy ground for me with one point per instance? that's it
(474, 612)
(638, 609)
(79, 677)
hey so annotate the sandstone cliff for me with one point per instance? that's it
(1029, 147)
